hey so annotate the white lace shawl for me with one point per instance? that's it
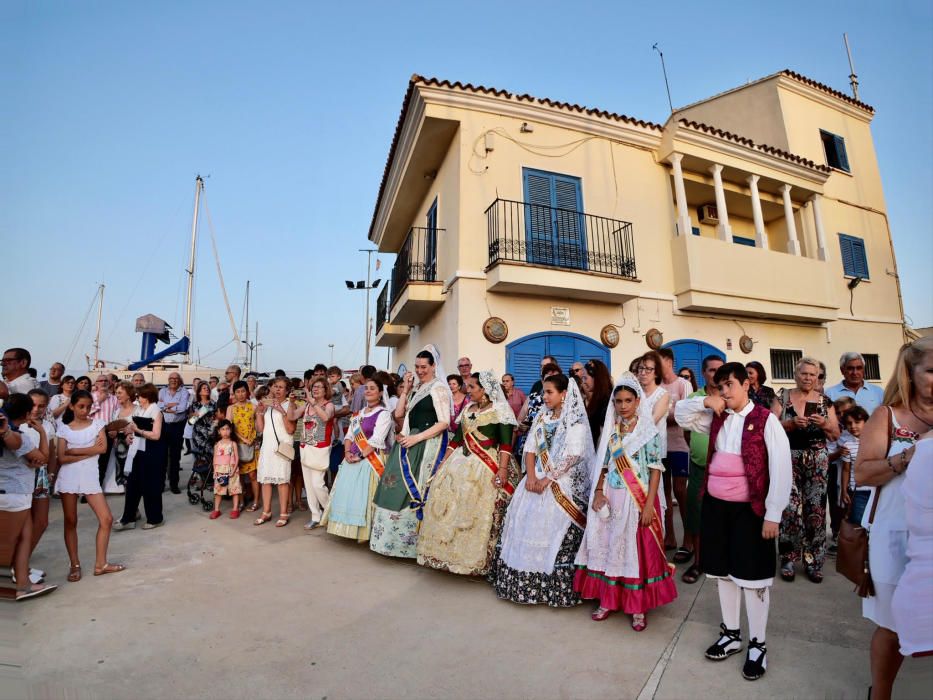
(440, 395)
(504, 413)
(644, 431)
(535, 525)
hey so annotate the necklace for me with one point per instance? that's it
(628, 424)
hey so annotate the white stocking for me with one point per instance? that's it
(730, 602)
(757, 602)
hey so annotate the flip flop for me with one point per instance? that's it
(35, 590)
(682, 555)
(109, 569)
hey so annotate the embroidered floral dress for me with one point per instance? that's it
(464, 516)
(244, 422)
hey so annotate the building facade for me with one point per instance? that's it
(750, 225)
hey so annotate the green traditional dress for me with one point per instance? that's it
(402, 490)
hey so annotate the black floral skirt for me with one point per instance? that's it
(533, 588)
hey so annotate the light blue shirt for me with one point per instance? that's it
(182, 397)
(868, 396)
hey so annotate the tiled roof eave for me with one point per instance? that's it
(748, 143)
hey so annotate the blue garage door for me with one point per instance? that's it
(523, 356)
(690, 353)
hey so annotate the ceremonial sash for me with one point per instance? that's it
(418, 500)
(359, 438)
(636, 489)
(473, 445)
(566, 504)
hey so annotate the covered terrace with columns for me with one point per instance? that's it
(765, 226)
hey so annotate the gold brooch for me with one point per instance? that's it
(751, 427)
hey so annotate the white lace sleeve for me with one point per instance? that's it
(573, 452)
(381, 431)
(441, 398)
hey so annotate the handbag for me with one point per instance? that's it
(285, 450)
(245, 452)
(852, 544)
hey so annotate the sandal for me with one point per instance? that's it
(35, 589)
(787, 571)
(252, 507)
(682, 555)
(639, 622)
(692, 575)
(600, 614)
(74, 573)
(814, 575)
(282, 521)
(109, 569)
(263, 518)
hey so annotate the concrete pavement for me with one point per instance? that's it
(223, 609)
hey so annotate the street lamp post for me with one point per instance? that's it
(368, 285)
(331, 346)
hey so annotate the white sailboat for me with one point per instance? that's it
(156, 366)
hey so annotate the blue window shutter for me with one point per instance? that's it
(841, 153)
(854, 256)
(538, 223)
(695, 230)
(571, 245)
(741, 240)
(860, 258)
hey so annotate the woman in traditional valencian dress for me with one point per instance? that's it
(349, 513)
(621, 562)
(546, 518)
(403, 489)
(473, 486)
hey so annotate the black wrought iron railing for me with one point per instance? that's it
(382, 307)
(543, 235)
(416, 261)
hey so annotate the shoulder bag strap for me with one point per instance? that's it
(271, 412)
(874, 503)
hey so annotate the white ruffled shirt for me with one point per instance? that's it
(692, 415)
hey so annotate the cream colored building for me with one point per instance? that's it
(758, 212)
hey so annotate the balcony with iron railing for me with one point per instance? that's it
(534, 249)
(387, 334)
(415, 290)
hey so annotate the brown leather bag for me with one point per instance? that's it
(852, 545)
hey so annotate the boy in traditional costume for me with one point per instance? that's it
(748, 483)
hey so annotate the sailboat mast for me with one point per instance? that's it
(248, 353)
(198, 186)
(100, 313)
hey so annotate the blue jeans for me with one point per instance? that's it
(859, 501)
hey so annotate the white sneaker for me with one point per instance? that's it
(118, 526)
(35, 576)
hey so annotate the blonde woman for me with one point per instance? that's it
(275, 468)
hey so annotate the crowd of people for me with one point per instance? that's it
(565, 493)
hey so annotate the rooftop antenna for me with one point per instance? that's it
(853, 78)
(664, 70)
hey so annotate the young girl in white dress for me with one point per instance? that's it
(79, 445)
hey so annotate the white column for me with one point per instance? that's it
(817, 201)
(793, 245)
(761, 236)
(724, 230)
(684, 226)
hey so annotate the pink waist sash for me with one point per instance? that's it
(727, 480)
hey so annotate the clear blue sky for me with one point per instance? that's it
(111, 108)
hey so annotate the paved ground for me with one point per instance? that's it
(223, 609)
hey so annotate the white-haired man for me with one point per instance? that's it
(852, 366)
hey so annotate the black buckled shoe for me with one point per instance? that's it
(729, 643)
(753, 670)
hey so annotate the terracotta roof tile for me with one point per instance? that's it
(825, 88)
(469, 87)
(764, 148)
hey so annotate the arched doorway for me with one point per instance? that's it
(690, 353)
(523, 356)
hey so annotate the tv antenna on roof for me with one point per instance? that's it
(853, 78)
(664, 70)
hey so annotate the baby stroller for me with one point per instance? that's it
(202, 479)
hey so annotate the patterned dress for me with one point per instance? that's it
(803, 525)
(463, 519)
(244, 422)
(528, 522)
(226, 475)
(395, 519)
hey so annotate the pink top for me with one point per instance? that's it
(223, 454)
(727, 480)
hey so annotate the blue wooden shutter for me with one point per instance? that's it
(854, 257)
(431, 243)
(539, 230)
(841, 153)
(570, 225)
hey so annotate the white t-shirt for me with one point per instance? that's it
(22, 385)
